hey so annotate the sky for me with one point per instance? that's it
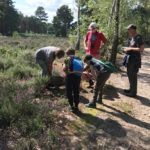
(28, 7)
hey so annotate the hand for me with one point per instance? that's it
(126, 49)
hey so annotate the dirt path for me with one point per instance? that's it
(122, 123)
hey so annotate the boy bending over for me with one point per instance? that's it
(101, 75)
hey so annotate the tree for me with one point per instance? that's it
(9, 18)
(41, 14)
(62, 21)
(77, 46)
(116, 32)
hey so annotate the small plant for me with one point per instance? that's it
(15, 34)
(21, 72)
(39, 84)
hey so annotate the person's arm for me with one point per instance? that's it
(85, 41)
(139, 43)
(138, 49)
(103, 38)
(50, 68)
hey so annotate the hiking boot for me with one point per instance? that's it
(76, 109)
(99, 101)
(130, 95)
(71, 108)
(126, 90)
(91, 105)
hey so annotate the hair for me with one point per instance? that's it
(132, 26)
(70, 51)
(60, 53)
(87, 58)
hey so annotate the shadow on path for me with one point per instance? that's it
(127, 118)
(109, 126)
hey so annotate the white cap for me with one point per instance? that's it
(92, 25)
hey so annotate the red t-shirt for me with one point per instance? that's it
(94, 41)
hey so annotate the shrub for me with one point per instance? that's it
(16, 34)
(1, 65)
(39, 84)
(21, 72)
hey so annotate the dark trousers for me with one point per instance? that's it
(100, 82)
(72, 89)
(132, 71)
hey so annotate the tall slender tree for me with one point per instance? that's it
(116, 33)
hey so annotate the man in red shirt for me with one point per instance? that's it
(93, 41)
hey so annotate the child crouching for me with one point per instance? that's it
(73, 67)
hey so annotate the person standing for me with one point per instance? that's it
(132, 59)
(94, 40)
(73, 68)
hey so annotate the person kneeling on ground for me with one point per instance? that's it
(101, 74)
(73, 67)
(45, 57)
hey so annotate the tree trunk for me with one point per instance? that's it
(77, 46)
(116, 34)
(112, 12)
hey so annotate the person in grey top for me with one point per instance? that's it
(45, 57)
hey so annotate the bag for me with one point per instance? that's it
(108, 66)
(76, 65)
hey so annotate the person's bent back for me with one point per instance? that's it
(45, 57)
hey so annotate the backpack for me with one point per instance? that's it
(108, 66)
(76, 65)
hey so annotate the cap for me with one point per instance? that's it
(131, 26)
(92, 25)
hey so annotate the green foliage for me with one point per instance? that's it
(41, 14)
(23, 111)
(21, 72)
(62, 21)
(15, 34)
(9, 17)
(39, 84)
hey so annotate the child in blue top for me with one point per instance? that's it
(73, 67)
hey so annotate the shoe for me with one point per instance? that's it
(99, 101)
(71, 108)
(126, 90)
(130, 95)
(76, 109)
(91, 105)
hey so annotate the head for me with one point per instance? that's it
(131, 29)
(70, 51)
(93, 27)
(60, 53)
(87, 58)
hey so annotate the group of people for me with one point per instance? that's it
(91, 67)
